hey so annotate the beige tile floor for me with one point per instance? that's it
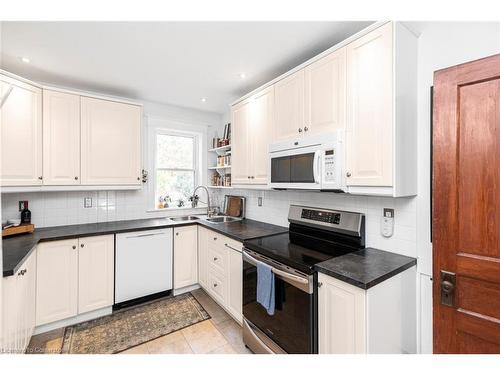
(218, 335)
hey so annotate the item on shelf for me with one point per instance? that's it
(215, 142)
(25, 214)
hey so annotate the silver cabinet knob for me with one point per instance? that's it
(138, 178)
(215, 259)
(320, 284)
(40, 177)
(82, 245)
(215, 285)
(348, 174)
(74, 247)
(300, 130)
(76, 177)
(306, 128)
(215, 238)
(176, 233)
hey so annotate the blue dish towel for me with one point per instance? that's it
(265, 287)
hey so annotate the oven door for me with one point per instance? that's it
(293, 327)
(296, 169)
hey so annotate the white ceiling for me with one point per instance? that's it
(167, 62)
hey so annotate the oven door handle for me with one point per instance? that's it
(283, 274)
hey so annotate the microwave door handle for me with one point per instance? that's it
(316, 166)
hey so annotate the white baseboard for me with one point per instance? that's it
(73, 320)
(186, 289)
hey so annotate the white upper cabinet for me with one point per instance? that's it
(240, 138)
(252, 126)
(325, 85)
(21, 133)
(110, 142)
(369, 125)
(289, 106)
(261, 129)
(381, 131)
(61, 138)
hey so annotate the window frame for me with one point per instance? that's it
(196, 162)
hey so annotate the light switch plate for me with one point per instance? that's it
(87, 202)
(259, 201)
(387, 225)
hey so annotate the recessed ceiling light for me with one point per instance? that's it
(243, 75)
(25, 60)
(203, 100)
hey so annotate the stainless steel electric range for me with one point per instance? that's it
(315, 235)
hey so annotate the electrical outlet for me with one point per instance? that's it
(21, 206)
(387, 225)
(87, 202)
(259, 201)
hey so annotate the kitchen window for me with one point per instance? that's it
(176, 168)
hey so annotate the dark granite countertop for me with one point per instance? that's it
(17, 249)
(366, 268)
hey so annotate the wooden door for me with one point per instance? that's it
(240, 164)
(289, 106)
(21, 133)
(369, 131)
(110, 142)
(185, 256)
(56, 281)
(61, 138)
(325, 89)
(261, 130)
(95, 273)
(466, 206)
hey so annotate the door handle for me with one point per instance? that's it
(448, 282)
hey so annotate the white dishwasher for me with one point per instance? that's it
(143, 264)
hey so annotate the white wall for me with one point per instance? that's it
(66, 208)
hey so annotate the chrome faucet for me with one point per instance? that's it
(195, 202)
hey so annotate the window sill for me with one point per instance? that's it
(176, 208)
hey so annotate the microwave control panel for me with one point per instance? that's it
(329, 165)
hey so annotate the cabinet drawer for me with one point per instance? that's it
(217, 286)
(218, 258)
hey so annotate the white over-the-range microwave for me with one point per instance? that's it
(314, 162)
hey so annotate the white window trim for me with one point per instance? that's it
(197, 167)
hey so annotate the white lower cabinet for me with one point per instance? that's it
(378, 320)
(185, 256)
(220, 270)
(74, 277)
(18, 298)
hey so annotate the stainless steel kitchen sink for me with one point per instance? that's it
(222, 219)
(184, 218)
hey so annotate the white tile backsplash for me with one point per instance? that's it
(275, 206)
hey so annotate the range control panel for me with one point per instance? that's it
(322, 216)
(329, 165)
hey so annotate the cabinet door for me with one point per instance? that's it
(56, 281)
(261, 130)
(325, 85)
(185, 256)
(21, 133)
(61, 138)
(30, 280)
(240, 138)
(10, 315)
(110, 142)
(202, 256)
(289, 106)
(342, 322)
(95, 273)
(369, 137)
(235, 299)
